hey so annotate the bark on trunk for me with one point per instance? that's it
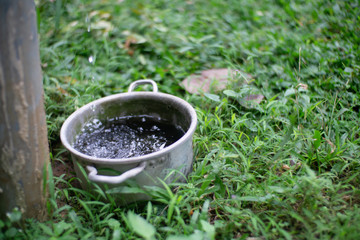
(23, 135)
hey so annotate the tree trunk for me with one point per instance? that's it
(24, 148)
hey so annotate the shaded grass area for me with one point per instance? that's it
(287, 168)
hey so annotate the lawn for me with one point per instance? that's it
(285, 168)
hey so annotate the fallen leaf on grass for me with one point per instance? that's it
(257, 98)
(63, 91)
(104, 26)
(333, 147)
(294, 166)
(70, 80)
(200, 83)
(251, 101)
(131, 39)
(247, 101)
(212, 79)
(285, 167)
(219, 74)
(101, 14)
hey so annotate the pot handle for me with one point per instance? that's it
(133, 85)
(92, 175)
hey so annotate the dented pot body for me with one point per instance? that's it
(144, 170)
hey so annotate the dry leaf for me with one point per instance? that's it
(70, 80)
(303, 86)
(196, 83)
(221, 74)
(250, 101)
(212, 79)
(333, 147)
(63, 91)
(285, 167)
(102, 25)
(135, 38)
(93, 13)
(131, 38)
(257, 98)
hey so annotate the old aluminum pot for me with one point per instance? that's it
(144, 170)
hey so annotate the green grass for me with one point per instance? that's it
(285, 169)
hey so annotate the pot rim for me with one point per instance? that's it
(188, 134)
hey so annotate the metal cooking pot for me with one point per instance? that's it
(144, 170)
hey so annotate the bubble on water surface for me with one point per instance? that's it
(126, 137)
